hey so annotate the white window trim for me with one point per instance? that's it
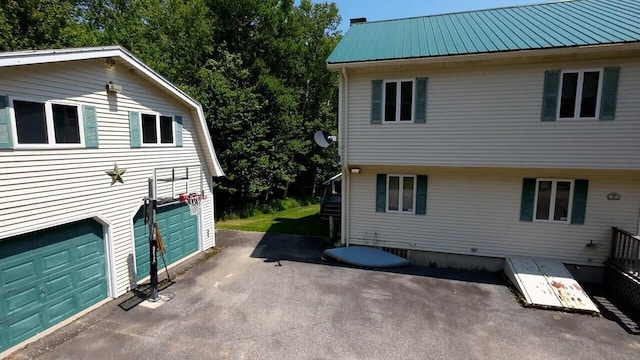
(48, 114)
(398, 98)
(158, 140)
(401, 176)
(552, 207)
(576, 109)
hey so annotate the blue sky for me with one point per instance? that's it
(394, 9)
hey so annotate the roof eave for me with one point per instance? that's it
(514, 54)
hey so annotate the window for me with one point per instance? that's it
(157, 129)
(580, 94)
(553, 200)
(401, 193)
(45, 123)
(398, 101)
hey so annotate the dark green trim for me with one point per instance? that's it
(421, 194)
(528, 199)
(421, 101)
(381, 193)
(90, 126)
(376, 101)
(550, 95)
(6, 139)
(609, 93)
(178, 121)
(135, 135)
(579, 207)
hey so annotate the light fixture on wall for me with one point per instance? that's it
(355, 170)
(113, 88)
(111, 63)
(613, 196)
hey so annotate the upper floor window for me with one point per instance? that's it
(580, 93)
(398, 100)
(157, 129)
(47, 123)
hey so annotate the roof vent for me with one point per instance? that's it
(357, 20)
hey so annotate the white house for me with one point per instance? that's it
(70, 238)
(467, 138)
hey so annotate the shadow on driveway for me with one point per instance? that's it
(274, 248)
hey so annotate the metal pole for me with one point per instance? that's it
(152, 205)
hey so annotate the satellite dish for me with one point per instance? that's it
(323, 138)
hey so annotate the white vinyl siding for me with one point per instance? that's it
(479, 209)
(489, 115)
(48, 186)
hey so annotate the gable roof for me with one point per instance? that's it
(542, 26)
(29, 57)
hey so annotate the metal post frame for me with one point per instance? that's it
(151, 205)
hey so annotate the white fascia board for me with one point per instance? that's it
(502, 55)
(31, 57)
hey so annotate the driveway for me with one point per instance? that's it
(272, 297)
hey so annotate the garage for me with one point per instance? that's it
(179, 231)
(49, 275)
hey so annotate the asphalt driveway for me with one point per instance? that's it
(272, 297)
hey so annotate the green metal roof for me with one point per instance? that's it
(541, 26)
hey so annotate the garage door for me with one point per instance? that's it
(179, 231)
(48, 276)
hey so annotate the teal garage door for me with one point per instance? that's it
(179, 231)
(47, 276)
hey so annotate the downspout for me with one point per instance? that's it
(342, 127)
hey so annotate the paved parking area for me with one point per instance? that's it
(272, 297)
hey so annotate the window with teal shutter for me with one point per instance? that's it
(178, 120)
(90, 126)
(134, 129)
(421, 101)
(548, 200)
(6, 141)
(381, 192)
(421, 195)
(579, 208)
(376, 101)
(550, 95)
(528, 199)
(609, 93)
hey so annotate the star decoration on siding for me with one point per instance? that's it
(116, 174)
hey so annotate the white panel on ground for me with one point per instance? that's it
(546, 282)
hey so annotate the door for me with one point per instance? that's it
(179, 231)
(48, 276)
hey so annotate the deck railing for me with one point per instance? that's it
(625, 252)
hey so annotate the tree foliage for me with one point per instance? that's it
(257, 67)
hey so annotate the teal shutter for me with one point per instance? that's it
(381, 193)
(5, 124)
(421, 195)
(178, 121)
(609, 93)
(376, 101)
(550, 96)
(579, 206)
(135, 137)
(421, 101)
(528, 199)
(90, 126)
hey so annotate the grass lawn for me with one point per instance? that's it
(304, 220)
